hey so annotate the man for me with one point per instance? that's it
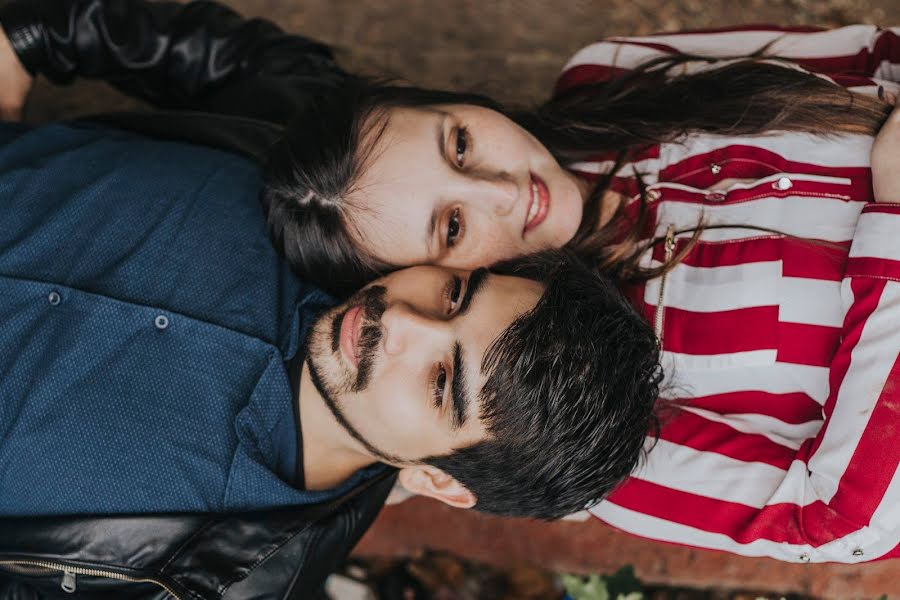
(159, 358)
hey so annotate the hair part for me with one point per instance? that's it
(569, 398)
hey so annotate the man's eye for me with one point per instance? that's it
(452, 293)
(454, 228)
(440, 384)
(462, 144)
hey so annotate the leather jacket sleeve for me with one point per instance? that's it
(197, 56)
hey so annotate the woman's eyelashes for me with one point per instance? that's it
(462, 145)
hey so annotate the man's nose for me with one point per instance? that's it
(405, 329)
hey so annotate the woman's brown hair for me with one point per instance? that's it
(744, 97)
(310, 173)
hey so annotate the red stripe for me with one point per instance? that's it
(793, 408)
(814, 524)
(723, 332)
(693, 431)
(799, 257)
(887, 48)
(726, 253)
(873, 267)
(876, 457)
(750, 162)
(866, 294)
(803, 344)
(803, 258)
(889, 208)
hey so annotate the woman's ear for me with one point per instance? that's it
(425, 480)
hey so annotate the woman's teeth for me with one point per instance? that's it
(535, 203)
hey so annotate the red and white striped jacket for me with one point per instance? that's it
(783, 355)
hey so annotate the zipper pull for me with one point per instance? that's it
(670, 242)
(68, 582)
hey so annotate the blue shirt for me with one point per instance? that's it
(145, 321)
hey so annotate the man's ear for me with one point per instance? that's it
(432, 482)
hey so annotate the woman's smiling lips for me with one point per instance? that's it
(539, 205)
(350, 326)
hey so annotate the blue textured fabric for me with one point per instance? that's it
(144, 324)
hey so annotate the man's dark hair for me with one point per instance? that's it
(569, 398)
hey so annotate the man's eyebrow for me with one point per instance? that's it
(458, 391)
(475, 283)
(439, 136)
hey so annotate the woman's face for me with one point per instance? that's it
(460, 186)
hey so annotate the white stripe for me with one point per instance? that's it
(710, 474)
(715, 289)
(684, 363)
(871, 362)
(777, 378)
(810, 302)
(889, 72)
(877, 236)
(797, 45)
(842, 150)
(802, 216)
(785, 434)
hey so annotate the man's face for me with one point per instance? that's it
(399, 364)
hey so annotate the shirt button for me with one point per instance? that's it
(858, 552)
(653, 195)
(783, 183)
(715, 196)
(716, 169)
(54, 298)
(161, 322)
(804, 558)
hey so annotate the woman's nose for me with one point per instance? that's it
(406, 329)
(498, 194)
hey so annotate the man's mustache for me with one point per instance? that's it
(373, 305)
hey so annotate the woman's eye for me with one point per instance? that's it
(453, 228)
(462, 144)
(440, 383)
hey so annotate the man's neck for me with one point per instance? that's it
(328, 458)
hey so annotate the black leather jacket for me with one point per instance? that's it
(246, 78)
(220, 79)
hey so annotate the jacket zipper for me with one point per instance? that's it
(660, 308)
(69, 574)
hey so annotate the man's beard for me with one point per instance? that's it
(331, 386)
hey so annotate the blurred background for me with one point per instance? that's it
(513, 49)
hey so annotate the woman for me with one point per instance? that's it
(727, 200)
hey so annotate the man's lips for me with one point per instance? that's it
(539, 205)
(350, 330)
